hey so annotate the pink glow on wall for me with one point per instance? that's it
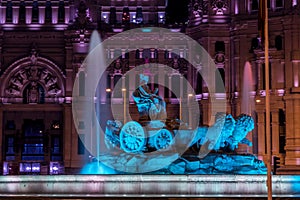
(42, 14)
(296, 82)
(67, 14)
(2, 14)
(28, 14)
(54, 14)
(236, 7)
(294, 2)
(15, 16)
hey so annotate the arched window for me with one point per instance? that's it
(61, 11)
(48, 12)
(35, 11)
(9, 11)
(220, 46)
(278, 42)
(22, 12)
(81, 84)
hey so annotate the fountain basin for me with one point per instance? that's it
(148, 186)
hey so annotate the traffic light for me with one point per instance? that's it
(276, 164)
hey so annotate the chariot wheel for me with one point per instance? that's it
(163, 139)
(132, 137)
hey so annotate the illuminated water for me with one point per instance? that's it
(247, 102)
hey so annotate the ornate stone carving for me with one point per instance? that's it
(33, 75)
(219, 7)
(220, 58)
(82, 16)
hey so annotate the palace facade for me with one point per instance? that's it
(44, 43)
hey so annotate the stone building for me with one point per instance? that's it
(43, 44)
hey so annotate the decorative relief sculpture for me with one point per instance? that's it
(219, 7)
(33, 76)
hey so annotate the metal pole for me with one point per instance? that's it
(267, 102)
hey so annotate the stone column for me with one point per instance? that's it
(292, 129)
(2, 14)
(170, 86)
(67, 14)
(1, 135)
(28, 14)
(67, 135)
(15, 17)
(275, 132)
(42, 14)
(261, 135)
(141, 53)
(152, 53)
(54, 14)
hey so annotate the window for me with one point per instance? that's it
(220, 84)
(81, 84)
(254, 44)
(56, 148)
(254, 5)
(48, 12)
(282, 134)
(22, 12)
(146, 53)
(34, 140)
(10, 145)
(139, 15)
(117, 92)
(175, 81)
(35, 11)
(278, 42)
(137, 54)
(112, 16)
(219, 46)
(279, 3)
(9, 11)
(199, 83)
(125, 15)
(81, 148)
(61, 11)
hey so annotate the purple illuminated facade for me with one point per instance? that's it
(43, 43)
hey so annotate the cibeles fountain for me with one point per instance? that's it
(157, 144)
(154, 132)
